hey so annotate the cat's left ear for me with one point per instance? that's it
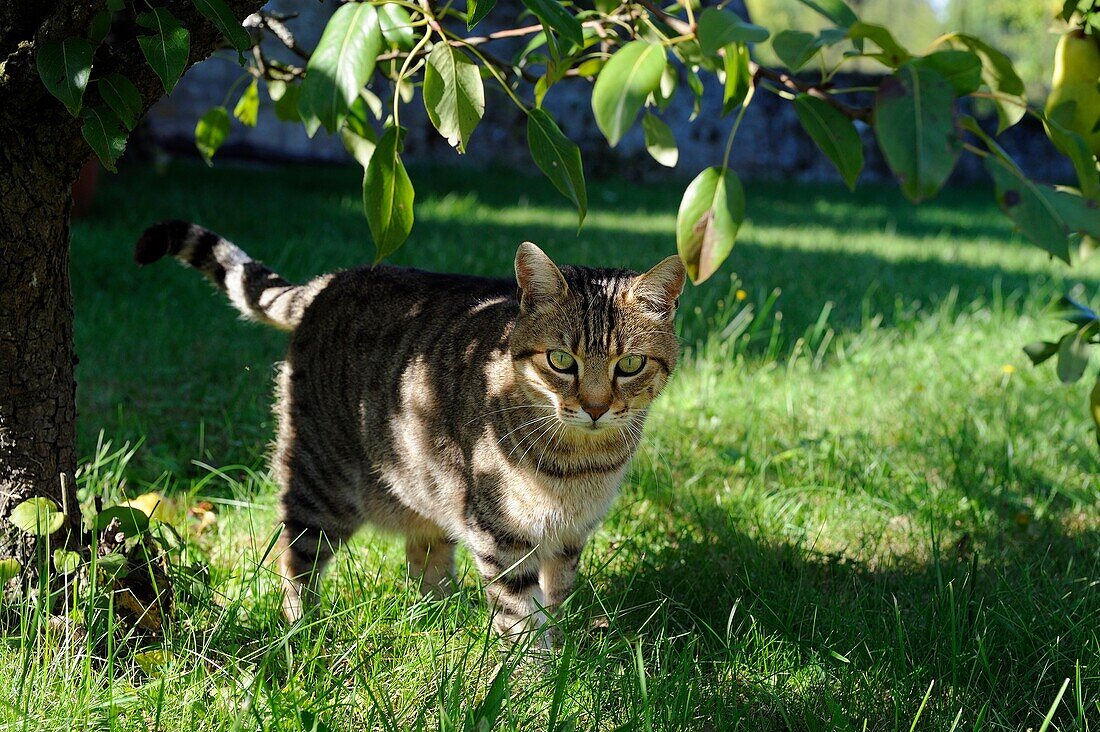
(538, 277)
(660, 287)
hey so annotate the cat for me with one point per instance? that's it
(499, 413)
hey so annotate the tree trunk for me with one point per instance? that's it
(37, 384)
(41, 152)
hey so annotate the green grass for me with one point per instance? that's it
(856, 507)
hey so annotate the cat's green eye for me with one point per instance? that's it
(630, 365)
(561, 361)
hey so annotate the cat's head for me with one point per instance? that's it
(597, 345)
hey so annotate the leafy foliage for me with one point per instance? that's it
(38, 516)
(914, 121)
(628, 78)
(637, 54)
(453, 94)
(341, 64)
(65, 68)
(167, 48)
(557, 157)
(388, 195)
(834, 134)
(710, 213)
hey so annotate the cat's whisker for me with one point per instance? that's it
(534, 442)
(528, 423)
(555, 438)
(509, 409)
(519, 443)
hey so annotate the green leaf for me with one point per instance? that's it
(1076, 148)
(558, 158)
(1082, 215)
(116, 5)
(167, 48)
(667, 88)
(285, 97)
(66, 562)
(388, 195)
(358, 119)
(835, 10)
(113, 565)
(131, 521)
(1000, 76)
(359, 147)
(9, 570)
(152, 662)
(358, 135)
(631, 75)
(38, 516)
(103, 132)
(695, 84)
(341, 64)
(962, 69)
(477, 10)
(1073, 354)
(718, 28)
(122, 97)
(553, 15)
(453, 94)
(65, 67)
(834, 133)
(710, 214)
(893, 54)
(248, 106)
(738, 77)
(396, 25)
(218, 13)
(100, 26)
(211, 131)
(915, 129)
(1040, 351)
(1031, 207)
(795, 48)
(659, 141)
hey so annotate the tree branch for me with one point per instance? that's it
(785, 80)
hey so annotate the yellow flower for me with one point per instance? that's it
(741, 295)
(1008, 369)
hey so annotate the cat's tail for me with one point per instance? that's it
(253, 288)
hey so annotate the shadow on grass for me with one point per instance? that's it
(997, 614)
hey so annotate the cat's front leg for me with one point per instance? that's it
(556, 576)
(511, 576)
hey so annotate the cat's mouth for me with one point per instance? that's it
(588, 426)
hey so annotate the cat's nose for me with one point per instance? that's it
(595, 411)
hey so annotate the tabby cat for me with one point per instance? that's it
(452, 408)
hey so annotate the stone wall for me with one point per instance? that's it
(770, 143)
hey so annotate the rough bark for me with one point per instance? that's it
(41, 152)
(37, 390)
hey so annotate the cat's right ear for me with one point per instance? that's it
(539, 279)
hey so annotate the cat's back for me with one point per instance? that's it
(390, 310)
(373, 334)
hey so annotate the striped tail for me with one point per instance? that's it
(253, 288)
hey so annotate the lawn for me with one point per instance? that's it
(857, 506)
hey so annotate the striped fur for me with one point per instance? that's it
(253, 288)
(427, 404)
